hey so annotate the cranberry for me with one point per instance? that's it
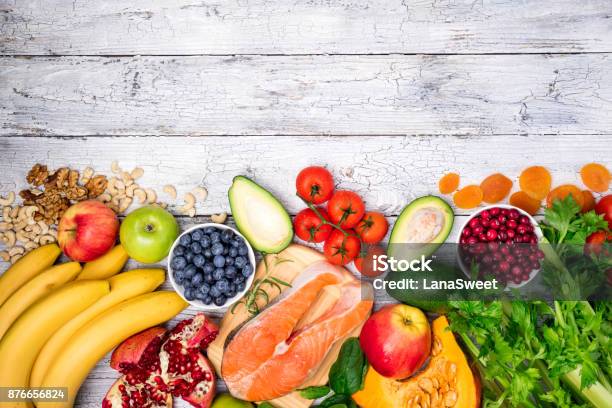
(516, 270)
(482, 237)
(487, 259)
(477, 230)
(504, 211)
(463, 240)
(472, 240)
(502, 236)
(494, 223)
(466, 232)
(485, 214)
(511, 224)
(510, 259)
(491, 235)
(504, 266)
(485, 222)
(534, 240)
(514, 214)
(511, 233)
(502, 219)
(498, 256)
(505, 250)
(525, 220)
(494, 211)
(474, 222)
(521, 229)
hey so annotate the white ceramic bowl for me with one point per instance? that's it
(196, 302)
(536, 230)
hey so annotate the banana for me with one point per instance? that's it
(35, 289)
(22, 342)
(106, 266)
(124, 286)
(92, 341)
(26, 268)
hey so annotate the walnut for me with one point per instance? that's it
(38, 175)
(96, 186)
(58, 179)
(73, 178)
(76, 193)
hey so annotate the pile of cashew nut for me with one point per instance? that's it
(19, 232)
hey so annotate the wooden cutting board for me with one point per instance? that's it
(287, 265)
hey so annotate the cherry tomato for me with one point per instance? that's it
(341, 249)
(346, 208)
(315, 184)
(363, 262)
(604, 207)
(309, 227)
(596, 241)
(372, 228)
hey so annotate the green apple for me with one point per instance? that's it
(147, 234)
(227, 401)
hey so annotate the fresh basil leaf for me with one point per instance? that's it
(314, 392)
(346, 374)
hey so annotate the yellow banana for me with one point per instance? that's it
(33, 263)
(22, 342)
(35, 289)
(124, 286)
(92, 341)
(106, 266)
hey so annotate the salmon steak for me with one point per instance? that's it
(275, 352)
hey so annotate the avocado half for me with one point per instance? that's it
(405, 228)
(259, 216)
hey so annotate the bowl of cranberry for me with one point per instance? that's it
(501, 242)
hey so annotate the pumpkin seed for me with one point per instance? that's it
(426, 385)
(450, 399)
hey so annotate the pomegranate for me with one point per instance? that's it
(157, 364)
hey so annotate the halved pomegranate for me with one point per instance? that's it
(158, 364)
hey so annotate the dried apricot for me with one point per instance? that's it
(468, 197)
(589, 201)
(596, 177)
(559, 193)
(523, 201)
(536, 182)
(448, 183)
(495, 188)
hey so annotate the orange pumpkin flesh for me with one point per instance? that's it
(381, 392)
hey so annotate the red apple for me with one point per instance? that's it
(396, 340)
(87, 231)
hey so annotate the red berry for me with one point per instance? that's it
(494, 224)
(474, 222)
(491, 235)
(485, 214)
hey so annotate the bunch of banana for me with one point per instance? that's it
(57, 322)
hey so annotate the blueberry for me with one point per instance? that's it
(240, 286)
(185, 240)
(178, 262)
(179, 274)
(208, 253)
(230, 272)
(215, 237)
(236, 242)
(208, 278)
(219, 261)
(205, 241)
(222, 285)
(179, 250)
(229, 261)
(239, 278)
(233, 252)
(243, 250)
(240, 261)
(220, 300)
(196, 235)
(231, 292)
(209, 230)
(197, 279)
(217, 248)
(188, 256)
(190, 271)
(196, 248)
(218, 274)
(205, 288)
(189, 295)
(214, 292)
(227, 235)
(247, 270)
(225, 250)
(207, 300)
(199, 260)
(199, 295)
(209, 268)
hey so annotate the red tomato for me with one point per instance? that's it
(596, 241)
(315, 184)
(604, 207)
(309, 227)
(346, 208)
(341, 249)
(368, 256)
(372, 228)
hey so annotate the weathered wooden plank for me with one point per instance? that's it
(303, 27)
(387, 171)
(493, 94)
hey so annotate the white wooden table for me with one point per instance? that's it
(388, 94)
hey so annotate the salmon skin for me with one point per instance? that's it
(270, 356)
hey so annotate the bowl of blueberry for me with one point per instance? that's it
(211, 266)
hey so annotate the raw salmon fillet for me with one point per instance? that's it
(270, 357)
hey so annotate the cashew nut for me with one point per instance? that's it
(141, 195)
(10, 239)
(5, 226)
(6, 214)
(8, 200)
(44, 228)
(30, 210)
(4, 255)
(31, 245)
(151, 195)
(20, 225)
(47, 239)
(201, 193)
(219, 218)
(22, 236)
(115, 167)
(137, 173)
(190, 201)
(87, 175)
(129, 191)
(171, 191)
(120, 186)
(111, 186)
(16, 251)
(14, 212)
(105, 197)
(125, 204)
(191, 213)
